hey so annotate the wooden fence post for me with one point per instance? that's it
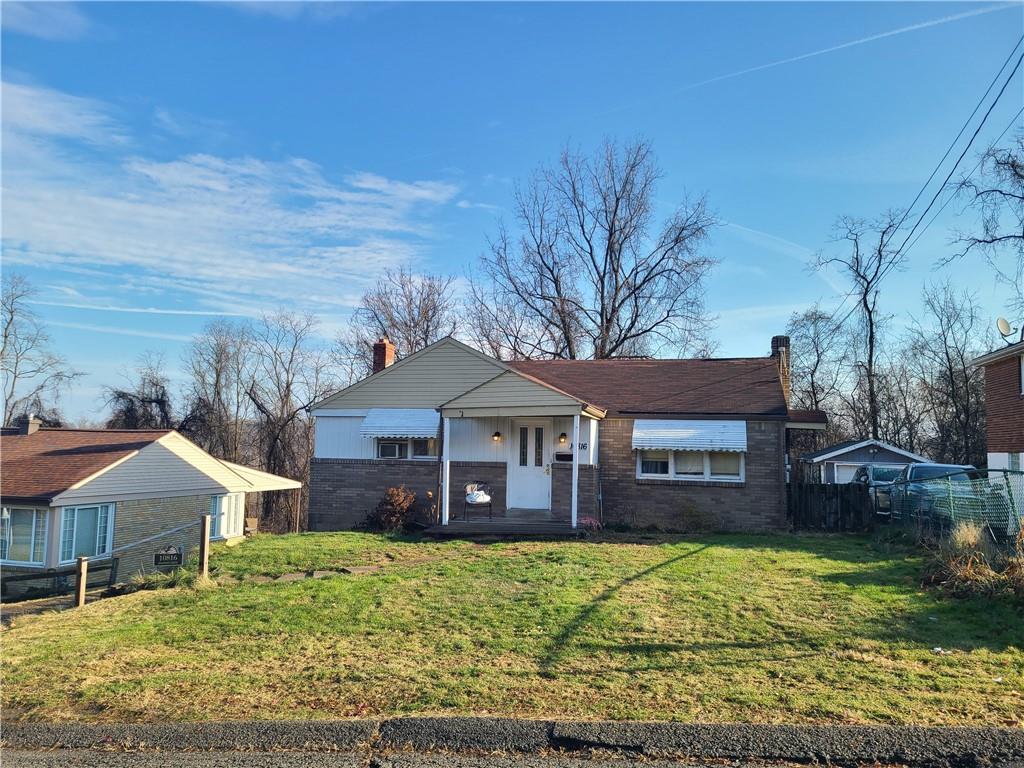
(81, 573)
(204, 545)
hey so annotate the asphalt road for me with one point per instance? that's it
(82, 758)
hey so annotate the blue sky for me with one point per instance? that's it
(165, 163)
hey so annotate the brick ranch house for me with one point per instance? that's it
(1004, 406)
(675, 444)
(114, 493)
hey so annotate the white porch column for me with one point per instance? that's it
(446, 454)
(575, 466)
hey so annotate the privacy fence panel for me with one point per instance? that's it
(838, 508)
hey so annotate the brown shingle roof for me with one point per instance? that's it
(726, 386)
(41, 465)
(808, 416)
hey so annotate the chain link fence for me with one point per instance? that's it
(992, 499)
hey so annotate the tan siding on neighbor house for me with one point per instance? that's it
(425, 380)
(172, 466)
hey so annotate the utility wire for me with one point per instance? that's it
(900, 251)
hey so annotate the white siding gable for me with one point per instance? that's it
(426, 379)
(170, 466)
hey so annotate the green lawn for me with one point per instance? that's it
(711, 629)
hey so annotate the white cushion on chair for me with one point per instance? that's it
(477, 497)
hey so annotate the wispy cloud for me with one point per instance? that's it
(50, 21)
(289, 10)
(138, 310)
(120, 331)
(788, 248)
(467, 204)
(237, 234)
(849, 44)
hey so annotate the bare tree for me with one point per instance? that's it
(33, 374)
(870, 257)
(818, 353)
(413, 311)
(588, 275)
(997, 194)
(290, 372)
(220, 362)
(144, 402)
(939, 349)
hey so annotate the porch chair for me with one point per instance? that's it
(478, 494)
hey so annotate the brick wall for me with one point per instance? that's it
(342, 492)
(561, 491)
(758, 504)
(1004, 406)
(141, 518)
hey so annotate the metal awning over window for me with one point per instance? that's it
(673, 435)
(400, 422)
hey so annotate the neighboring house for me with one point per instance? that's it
(114, 493)
(677, 444)
(1004, 406)
(838, 463)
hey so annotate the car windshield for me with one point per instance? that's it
(886, 473)
(939, 470)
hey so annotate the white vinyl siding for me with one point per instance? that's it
(227, 515)
(171, 466)
(86, 530)
(337, 437)
(425, 380)
(23, 535)
(691, 466)
(511, 390)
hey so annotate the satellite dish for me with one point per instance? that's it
(1004, 327)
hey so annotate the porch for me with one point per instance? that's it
(533, 447)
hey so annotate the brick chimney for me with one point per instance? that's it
(383, 354)
(780, 354)
(29, 424)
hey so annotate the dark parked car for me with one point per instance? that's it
(938, 493)
(877, 478)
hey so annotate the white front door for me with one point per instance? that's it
(529, 465)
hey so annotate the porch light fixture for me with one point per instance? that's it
(496, 436)
(562, 438)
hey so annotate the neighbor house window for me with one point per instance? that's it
(226, 514)
(726, 466)
(23, 535)
(86, 531)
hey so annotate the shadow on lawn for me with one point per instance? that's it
(563, 638)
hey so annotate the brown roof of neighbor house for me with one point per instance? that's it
(699, 387)
(41, 465)
(808, 417)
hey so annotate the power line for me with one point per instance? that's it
(963, 128)
(900, 251)
(973, 171)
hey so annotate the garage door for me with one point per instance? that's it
(845, 472)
